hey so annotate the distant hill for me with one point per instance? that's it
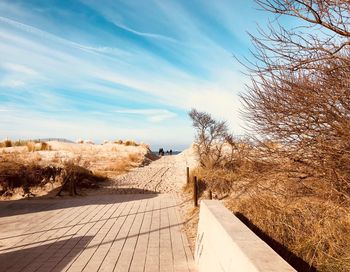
(53, 139)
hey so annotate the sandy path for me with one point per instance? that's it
(165, 175)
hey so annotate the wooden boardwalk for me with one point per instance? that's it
(97, 233)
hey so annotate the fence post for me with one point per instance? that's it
(210, 195)
(195, 192)
(188, 174)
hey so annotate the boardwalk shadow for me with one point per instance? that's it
(35, 205)
(295, 261)
(44, 257)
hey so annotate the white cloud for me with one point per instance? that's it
(12, 83)
(70, 65)
(18, 68)
(73, 126)
(153, 115)
(144, 34)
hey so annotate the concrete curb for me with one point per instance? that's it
(224, 243)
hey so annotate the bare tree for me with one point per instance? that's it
(210, 138)
(300, 91)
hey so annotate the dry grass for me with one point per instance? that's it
(135, 157)
(124, 164)
(126, 143)
(109, 159)
(130, 143)
(81, 176)
(313, 229)
(289, 202)
(8, 143)
(28, 175)
(15, 173)
(119, 165)
(30, 146)
(45, 146)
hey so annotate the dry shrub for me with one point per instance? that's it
(130, 143)
(120, 165)
(17, 174)
(45, 146)
(124, 164)
(127, 143)
(287, 201)
(315, 230)
(134, 157)
(81, 176)
(8, 143)
(20, 143)
(30, 146)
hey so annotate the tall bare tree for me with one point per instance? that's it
(300, 91)
(210, 138)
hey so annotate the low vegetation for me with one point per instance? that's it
(124, 164)
(16, 174)
(303, 214)
(44, 146)
(127, 142)
(81, 165)
(31, 145)
(291, 181)
(75, 176)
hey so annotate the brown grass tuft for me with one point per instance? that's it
(313, 229)
(8, 143)
(120, 165)
(19, 174)
(81, 176)
(130, 143)
(287, 202)
(30, 146)
(45, 146)
(134, 157)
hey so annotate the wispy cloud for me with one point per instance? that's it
(154, 115)
(144, 34)
(17, 68)
(151, 61)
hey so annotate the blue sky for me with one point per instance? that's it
(121, 69)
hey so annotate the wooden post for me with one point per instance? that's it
(195, 192)
(188, 174)
(210, 195)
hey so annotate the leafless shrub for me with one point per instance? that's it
(45, 146)
(298, 102)
(210, 138)
(18, 174)
(76, 176)
(300, 88)
(8, 143)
